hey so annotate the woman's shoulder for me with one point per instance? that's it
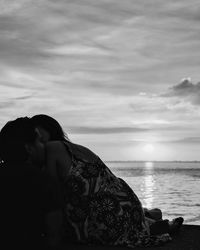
(77, 150)
(56, 148)
(82, 152)
(57, 151)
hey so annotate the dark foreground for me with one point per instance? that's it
(187, 239)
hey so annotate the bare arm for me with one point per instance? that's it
(52, 204)
(58, 160)
(53, 223)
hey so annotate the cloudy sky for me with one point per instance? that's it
(121, 77)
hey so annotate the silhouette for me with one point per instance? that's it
(30, 211)
(99, 207)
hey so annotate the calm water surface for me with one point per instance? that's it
(174, 187)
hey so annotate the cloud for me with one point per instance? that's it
(105, 130)
(184, 88)
(8, 7)
(160, 107)
(186, 91)
(185, 140)
(85, 62)
(141, 128)
(116, 47)
(24, 97)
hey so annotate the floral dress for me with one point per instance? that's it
(101, 208)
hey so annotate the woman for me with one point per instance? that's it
(99, 207)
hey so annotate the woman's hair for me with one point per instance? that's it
(51, 126)
(13, 138)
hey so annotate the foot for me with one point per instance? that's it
(154, 214)
(175, 225)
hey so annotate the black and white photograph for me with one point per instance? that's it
(100, 124)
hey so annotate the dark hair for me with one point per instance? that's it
(13, 138)
(51, 126)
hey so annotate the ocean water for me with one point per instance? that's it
(174, 187)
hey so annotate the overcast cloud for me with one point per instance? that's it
(103, 67)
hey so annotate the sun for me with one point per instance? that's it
(148, 148)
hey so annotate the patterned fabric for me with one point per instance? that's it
(101, 208)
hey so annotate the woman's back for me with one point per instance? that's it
(99, 207)
(81, 152)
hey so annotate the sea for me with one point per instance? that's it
(174, 187)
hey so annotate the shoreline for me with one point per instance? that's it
(187, 239)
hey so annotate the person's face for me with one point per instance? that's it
(37, 151)
(45, 136)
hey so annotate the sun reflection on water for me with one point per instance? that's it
(148, 165)
(149, 184)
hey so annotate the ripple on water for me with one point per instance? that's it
(176, 191)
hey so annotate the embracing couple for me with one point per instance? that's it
(54, 191)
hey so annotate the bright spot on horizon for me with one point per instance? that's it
(148, 148)
(149, 164)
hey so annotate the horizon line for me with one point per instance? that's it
(152, 161)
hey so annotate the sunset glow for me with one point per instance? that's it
(148, 148)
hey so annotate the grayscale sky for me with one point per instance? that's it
(121, 76)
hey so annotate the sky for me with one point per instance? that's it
(121, 77)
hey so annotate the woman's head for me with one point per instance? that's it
(20, 142)
(49, 128)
